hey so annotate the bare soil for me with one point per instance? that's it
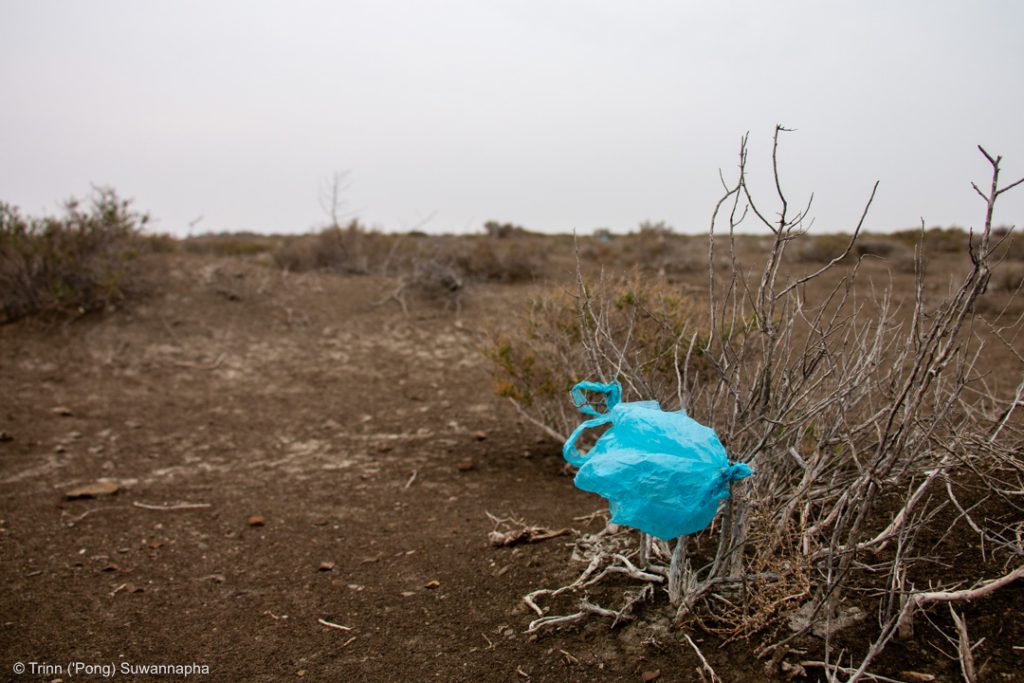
(370, 446)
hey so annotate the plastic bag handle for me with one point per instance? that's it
(569, 450)
(612, 392)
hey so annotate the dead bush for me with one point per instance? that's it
(84, 260)
(859, 420)
(432, 277)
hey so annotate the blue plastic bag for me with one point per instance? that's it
(662, 472)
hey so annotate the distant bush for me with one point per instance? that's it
(81, 261)
(351, 250)
(497, 260)
(1008, 278)
(160, 243)
(229, 244)
(1011, 247)
(653, 248)
(822, 248)
(936, 240)
(504, 230)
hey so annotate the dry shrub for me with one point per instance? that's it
(432, 277)
(1011, 246)
(499, 230)
(936, 240)
(648, 327)
(81, 261)
(859, 420)
(497, 259)
(822, 248)
(160, 243)
(351, 250)
(653, 248)
(1008, 277)
(238, 244)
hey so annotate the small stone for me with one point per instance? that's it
(326, 567)
(63, 411)
(479, 436)
(100, 488)
(256, 520)
(466, 464)
(651, 675)
(432, 584)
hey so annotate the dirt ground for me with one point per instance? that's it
(370, 446)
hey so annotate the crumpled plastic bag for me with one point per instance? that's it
(662, 472)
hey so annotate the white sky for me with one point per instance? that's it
(552, 114)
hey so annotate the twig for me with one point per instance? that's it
(846, 670)
(331, 624)
(78, 518)
(411, 479)
(965, 655)
(704, 663)
(176, 506)
(535, 422)
(918, 600)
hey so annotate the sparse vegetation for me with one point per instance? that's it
(81, 261)
(864, 425)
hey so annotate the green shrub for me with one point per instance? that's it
(81, 261)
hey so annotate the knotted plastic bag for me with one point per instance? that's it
(662, 472)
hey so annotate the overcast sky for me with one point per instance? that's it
(556, 115)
